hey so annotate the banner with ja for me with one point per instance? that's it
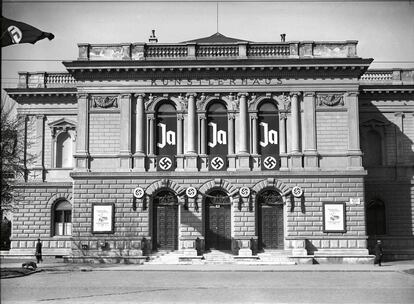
(15, 32)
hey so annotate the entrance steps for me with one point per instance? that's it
(218, 257)
(215, 257)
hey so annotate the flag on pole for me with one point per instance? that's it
(14, 32)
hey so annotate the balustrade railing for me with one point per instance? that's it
(268, 50)
(215, 51)
(166, 51)
(377, 76)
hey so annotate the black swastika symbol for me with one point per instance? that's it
(217, 163)
(165, 163)
(270, 162)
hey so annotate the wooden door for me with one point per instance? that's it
(271, 227)
(219, 227)
(165, 227)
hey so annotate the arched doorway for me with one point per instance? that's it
(218, 220)
(165, 221)
(270, 224)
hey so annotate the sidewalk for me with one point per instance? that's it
(51, 264)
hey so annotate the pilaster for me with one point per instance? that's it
(125, 132)
(310, 152)
(282, 141)
(82, 142)
(354, 152)
(151, 156)
(39, 168)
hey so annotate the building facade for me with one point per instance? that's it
(217, 143)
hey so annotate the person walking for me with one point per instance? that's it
(38, 252)
(378, 253)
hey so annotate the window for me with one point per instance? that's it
(372, 148)
(376, 218)
(62, 218)
(64, 151)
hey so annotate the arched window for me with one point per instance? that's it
(166, 130)
(217, 129)
(62, 218)
(268, 135)
(372, 148)
(376, 218)
(64, 150)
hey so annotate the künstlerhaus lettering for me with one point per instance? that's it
(217, 82)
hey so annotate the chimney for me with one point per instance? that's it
(153, 38)
(282, 37)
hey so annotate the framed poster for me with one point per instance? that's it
(334, 217)
(103, 218)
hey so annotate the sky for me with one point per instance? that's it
(384, 29)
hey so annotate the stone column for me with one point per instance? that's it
(38, 168)
(282, 141)
(354, 151)
(243, 156)
(139, 156)
(203, 140)
(203, 134)
(125, 132)
(180, 156)
(399, 163)
(191, 153)
(82, 141)
(296, 155)
(309, 109)
(230, 145)
(151, 143)
(255, 156)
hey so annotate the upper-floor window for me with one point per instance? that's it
(64, 148)
(166, 130)
(372, 149)
(217, 133)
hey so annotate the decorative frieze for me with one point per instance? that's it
(104, 102)
(330, 100)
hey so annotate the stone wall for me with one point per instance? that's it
(33, 219)
(132, 216)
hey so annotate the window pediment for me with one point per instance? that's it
(62, 125)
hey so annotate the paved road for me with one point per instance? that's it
(209, 287)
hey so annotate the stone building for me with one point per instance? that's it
(217, 143)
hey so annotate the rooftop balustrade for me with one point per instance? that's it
(236, 50)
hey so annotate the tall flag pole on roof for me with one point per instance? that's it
(15, 32)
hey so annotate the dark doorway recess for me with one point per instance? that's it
(218, 221)
(165, 221)
(270, 220)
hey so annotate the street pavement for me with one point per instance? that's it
(103, 283)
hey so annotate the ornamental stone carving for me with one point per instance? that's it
(149, 102)
(201, 102)
(283, 102)
(105, 102)
(330, 100)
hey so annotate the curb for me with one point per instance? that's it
(21, 274)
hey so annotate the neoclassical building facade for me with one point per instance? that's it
(217, 143)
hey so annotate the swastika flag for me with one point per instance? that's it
(14, 32)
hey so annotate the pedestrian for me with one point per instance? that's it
(38, 252)
(378, 253)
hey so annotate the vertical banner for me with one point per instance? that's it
(268, 136)
(217, 137)
(166, 137)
